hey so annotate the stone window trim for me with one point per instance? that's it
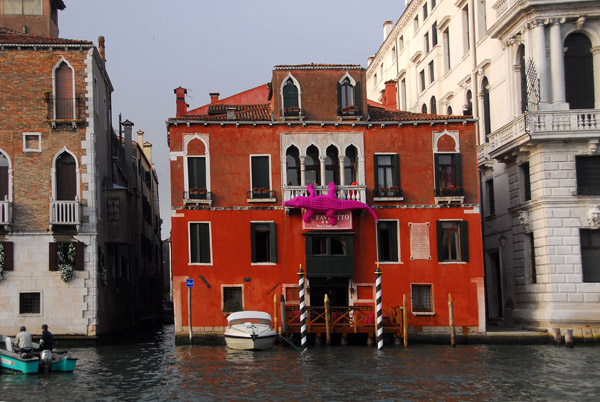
(30, 139)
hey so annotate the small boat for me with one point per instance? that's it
(34, 361)
(249, 330)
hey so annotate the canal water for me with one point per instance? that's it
(154, 369)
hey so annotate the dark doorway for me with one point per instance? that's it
(494, 286)
(335, 288)
(579, 72)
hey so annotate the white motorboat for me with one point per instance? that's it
(250, 330)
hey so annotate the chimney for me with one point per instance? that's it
(148, 152)
(180, 100)
(101, 48)
(140, 139)
(214, 97)
(387, 28)
(127, 145)
(369, 60)
(230, 113)
(389, 95)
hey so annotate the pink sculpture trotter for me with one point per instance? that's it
(328, 204)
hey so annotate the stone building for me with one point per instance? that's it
(79, 220)
(529, 71)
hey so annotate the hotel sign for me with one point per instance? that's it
(321, 221)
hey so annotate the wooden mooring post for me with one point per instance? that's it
(327, 321)
(275, 323)
(190, 313)
(404, 321)
(451, 319)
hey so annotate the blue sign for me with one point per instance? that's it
(189, 283)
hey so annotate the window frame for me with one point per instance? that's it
(40, 304)
(53, 259)
(22, 13)
(456, 174)
(393, 242)
(431, 299)
(255, 190)
(227, 286)
(462, 238)
(209, 241)
(396, 178)
(272, 242)
(583, 165)
(32, 134)
(587, 255)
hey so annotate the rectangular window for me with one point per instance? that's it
(434, 38)
(426, 42)
(416, 23)
(425, 14)
(590, 254)
(452, 241)
(526, 180)
(401, 43)
(197, 177)
(387, 241)
(403, 93)
(6, 251)
(200, 243)
(22, 7)
(387, 175)
(29, 303)
(66, 254)
(465, 23)
(32, 142)
(263, 240)
(433, 4)
(491, 202)
(446, 39)
(431, 74)
(260, 176)
(422, 298)
(422, 79)
(588, 175)
(448, 176)
(529, 256)
(232, 299)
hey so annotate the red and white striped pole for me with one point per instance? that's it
(302, 308)
(379, 308)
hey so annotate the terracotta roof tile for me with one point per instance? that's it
(218, 112)
(8, 37)
(377, 113)
(319, 66)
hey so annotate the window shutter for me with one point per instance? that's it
(339, 98)
(357, 97)
(376, 170)
(436, 174)
(440, 245)
(393, 231)
(458, 170)
(79, 260)
(396, 172)
(273, 242)
(464, 240)
(52, 263)
(253, 241)
(204, 243)
(8, 256)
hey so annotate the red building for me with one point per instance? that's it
(235, 161)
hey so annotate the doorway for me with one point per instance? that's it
(335, 288)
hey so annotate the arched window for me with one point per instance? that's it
(347, 93)
(4, 179)
(290, 94)
(351, 166)
(332, 166)
(468, 109)
(579, 72)
(487, 124)
(523, 78)
(66, 178)
(292, 160)
(424, 108)
(449, 111)
(432, 105)
(312, 167)
(64, 102)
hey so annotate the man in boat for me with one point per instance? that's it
(47, 341)
(23, 341)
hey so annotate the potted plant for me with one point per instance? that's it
(66, 261)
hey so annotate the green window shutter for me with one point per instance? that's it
(253, 241)
(393, 231)
(396, 171)
(464, 240)
(8, 255)
(339, 99)
(273, 242)
(440, 244)
(376, 170)
(79, 251)
(457, 170)
(205, 243)
(52, 263)
(436, 173)
(260, 172)
(357, 96)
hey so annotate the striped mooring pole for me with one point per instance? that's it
(302, 308)
(379, 309)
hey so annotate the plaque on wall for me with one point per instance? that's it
(419, 241)
(321, 222)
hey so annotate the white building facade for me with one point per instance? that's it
(530, 71)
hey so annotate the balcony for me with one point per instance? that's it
(349, 112)
(449, 195)
(197, 197)
(63, 111)
(543, 125)
(5, 214)
(292, 113)
(65, 212)
(261, 195)
(357, 193)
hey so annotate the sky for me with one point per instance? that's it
(153, 47)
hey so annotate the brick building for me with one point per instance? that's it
(235, 161)
(80, 230)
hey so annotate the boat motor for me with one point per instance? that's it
(46, 360)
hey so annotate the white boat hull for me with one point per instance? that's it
(247, 343)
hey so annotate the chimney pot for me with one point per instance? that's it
(214, 97)
(102, 48)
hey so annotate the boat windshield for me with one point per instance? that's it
(250, 320)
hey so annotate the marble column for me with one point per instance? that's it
(539, 56)
(322, 163)
(596, 61)
(302, 171)
(557, 67)
(342, 173)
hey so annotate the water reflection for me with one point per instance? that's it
(153, 369)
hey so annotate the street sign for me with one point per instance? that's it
(189, 283)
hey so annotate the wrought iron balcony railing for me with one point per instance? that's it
(260, 194)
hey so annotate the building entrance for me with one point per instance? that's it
(336, 288)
